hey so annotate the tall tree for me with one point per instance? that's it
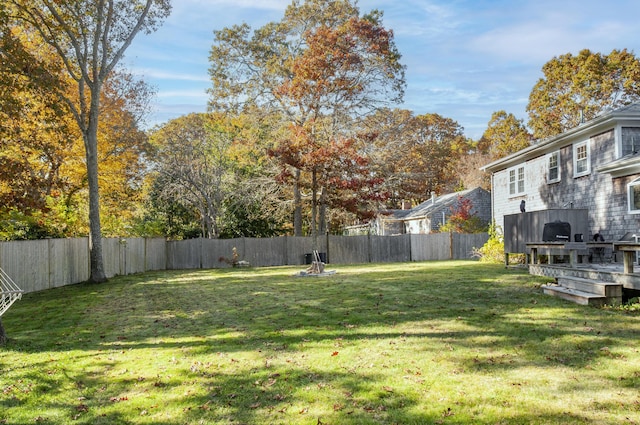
(192, 157)
(320, 64)
(351, 189)
(33, 125)
(212, 169)
(90, 38)
(349, 186)
(433, 151)
(43, 177)
(415, 154)
(388, 131)
(578, 88)
(505, 134)
(469, 169)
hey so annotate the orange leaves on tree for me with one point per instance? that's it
(463, 219)
(319, 68)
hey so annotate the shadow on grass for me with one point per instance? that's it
(264, 320)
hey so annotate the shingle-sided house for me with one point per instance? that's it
(595, 166)
(428, 216)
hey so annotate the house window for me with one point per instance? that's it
(516, 181)
(553, 174)
(634, 196)
(581, 159)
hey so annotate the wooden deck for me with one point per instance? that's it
(587, 283)
(584, 282)
(626, 273)
(605, 272)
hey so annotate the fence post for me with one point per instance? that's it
(145, 266)
(49, 268)
(285, 252)
(410, 247)
(450, 245)
(328, 260)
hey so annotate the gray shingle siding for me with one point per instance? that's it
(605, 197)
(428, 216)
(481, 207)
(614, 142)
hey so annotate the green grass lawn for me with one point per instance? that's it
(416, 343)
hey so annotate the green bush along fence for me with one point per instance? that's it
(50, 263)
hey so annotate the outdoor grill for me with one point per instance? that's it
(557, 231)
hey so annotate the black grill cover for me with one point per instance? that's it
(558, 231)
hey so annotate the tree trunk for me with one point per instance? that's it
(314, 205)
(209, 228)
(3, 335)
(322, 216)
(95, 229)
(297, 205)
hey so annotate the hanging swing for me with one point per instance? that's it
(9, 292)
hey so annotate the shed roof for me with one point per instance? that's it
(436, 204)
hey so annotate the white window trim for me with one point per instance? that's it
(634, 183)
(587, 171)
(516, 182)
(559, 177)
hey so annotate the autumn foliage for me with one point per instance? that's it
(577, 88)
(317, 69)
(463, 219)
(43, 175)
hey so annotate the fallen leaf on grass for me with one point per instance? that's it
(335, 353)
(271, 382)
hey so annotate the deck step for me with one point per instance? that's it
(574, 295)
(605, 289)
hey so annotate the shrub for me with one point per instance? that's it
(493, 250)
(463, 220)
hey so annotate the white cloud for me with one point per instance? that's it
(160, 74)
(247, 4)
(194, 94)
(466, 58)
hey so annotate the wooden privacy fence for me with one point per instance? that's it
(50, 263)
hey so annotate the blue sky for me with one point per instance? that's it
(465, 58)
